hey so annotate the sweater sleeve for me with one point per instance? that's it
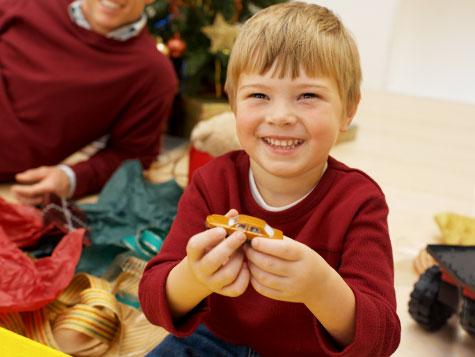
(367, 267)
(190, 220)
(6, 5)
(135, 135)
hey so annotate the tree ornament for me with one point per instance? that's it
(175, 6)
(237, 11)
(176, 46)
(221, 34)
(161, 47)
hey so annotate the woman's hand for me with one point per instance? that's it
(36, 184)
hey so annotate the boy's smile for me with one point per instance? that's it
(288, 126)
(283, 144)
(105, 16)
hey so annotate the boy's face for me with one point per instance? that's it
(288, 126)
(108, 15)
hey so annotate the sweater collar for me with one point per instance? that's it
(263, 204)
(121, 34)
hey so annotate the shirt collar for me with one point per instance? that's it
(263, 204)
(121, 34)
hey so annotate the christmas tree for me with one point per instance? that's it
(198, 36)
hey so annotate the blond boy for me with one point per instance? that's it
(327, 287)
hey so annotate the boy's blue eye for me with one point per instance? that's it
(309, 95)
(259, 95)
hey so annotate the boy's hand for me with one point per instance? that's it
(37, 183)
(217, 262)
(285, 270)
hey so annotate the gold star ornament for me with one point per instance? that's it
(221, 34)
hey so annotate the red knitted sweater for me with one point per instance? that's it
(344, 219)
(62, 87)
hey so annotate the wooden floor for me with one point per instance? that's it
(422, 153)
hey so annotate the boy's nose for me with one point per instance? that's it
(281, 118)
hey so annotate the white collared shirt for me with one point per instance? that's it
(120, 34)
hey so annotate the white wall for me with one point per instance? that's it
(371, 23)
(418, 47)
(433, 53)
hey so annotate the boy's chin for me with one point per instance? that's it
(282, 170)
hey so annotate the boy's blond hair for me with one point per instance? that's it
(295, 35)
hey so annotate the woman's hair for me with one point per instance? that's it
(297, 35)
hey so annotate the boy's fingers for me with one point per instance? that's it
(228, 271)
(200, 243)
(276, 247)
(266, 262)
(238, 286)
(232, 212)
(220, 254)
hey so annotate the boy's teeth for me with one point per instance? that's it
(110, 5)
(287, 144)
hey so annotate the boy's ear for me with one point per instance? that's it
(350, 114)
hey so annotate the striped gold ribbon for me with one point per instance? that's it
(87, 320)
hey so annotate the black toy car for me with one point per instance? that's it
(446, 288)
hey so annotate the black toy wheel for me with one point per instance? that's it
(467, 316)
(424, 306)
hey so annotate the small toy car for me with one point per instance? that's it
(251, 226)
(446, 288)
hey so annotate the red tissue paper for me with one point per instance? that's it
(27, 283)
